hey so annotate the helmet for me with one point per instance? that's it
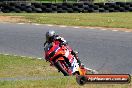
(49, 34)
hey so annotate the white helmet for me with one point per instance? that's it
(49, 34)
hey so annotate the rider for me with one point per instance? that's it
(51, 37)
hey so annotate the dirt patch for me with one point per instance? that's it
(13, 19)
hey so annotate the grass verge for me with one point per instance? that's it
(15, 66)
(112, 20)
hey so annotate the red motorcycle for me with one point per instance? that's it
(60, 56)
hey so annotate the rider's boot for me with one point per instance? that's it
(75, 55)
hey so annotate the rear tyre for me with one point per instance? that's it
(60, 68)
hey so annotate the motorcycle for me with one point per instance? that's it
(60, 56)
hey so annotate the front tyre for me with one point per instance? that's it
(59, 66)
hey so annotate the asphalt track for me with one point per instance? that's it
(105, 51)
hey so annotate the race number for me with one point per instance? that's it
(74, 65)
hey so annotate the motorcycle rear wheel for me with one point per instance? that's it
(60, 68)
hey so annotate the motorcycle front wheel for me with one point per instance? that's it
(60, 65)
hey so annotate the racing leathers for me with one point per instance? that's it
(62, 42)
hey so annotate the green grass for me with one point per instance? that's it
(15, 66)
(11, 66)
(114, 20)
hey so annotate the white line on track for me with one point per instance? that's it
(6, 54)
(63, 26)
(37, 24)
(30, 57)
(91, 28)
(22, 56)
(15, 55)
(114, 30)
(49, 25)
(76, 27)
(103, 29)
(39, 58)
(127, 31)
(20, 23)
(88, 27)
